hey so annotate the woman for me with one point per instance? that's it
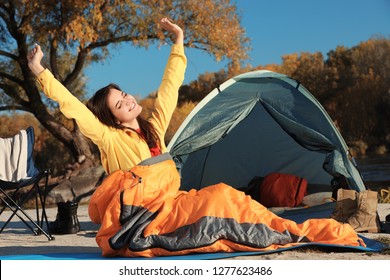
(140, 206)
(112, 119)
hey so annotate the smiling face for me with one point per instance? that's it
(124, 108)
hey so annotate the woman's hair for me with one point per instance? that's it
(98, 106)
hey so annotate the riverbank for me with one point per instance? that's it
(375, 171)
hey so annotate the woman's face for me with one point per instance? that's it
(124, 107)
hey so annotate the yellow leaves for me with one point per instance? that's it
(85, 21)
(290, 63)
(177, 119)
(80, 30)
(147, 105)
(210, 25)
(215, 26)
(178, 116)
(272, 67)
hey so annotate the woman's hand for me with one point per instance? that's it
(167, 25)
(34, 58)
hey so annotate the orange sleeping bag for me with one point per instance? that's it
(142, 212)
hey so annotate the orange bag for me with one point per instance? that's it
(282, 190)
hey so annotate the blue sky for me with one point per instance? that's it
(275, 27)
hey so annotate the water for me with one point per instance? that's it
(375, 170)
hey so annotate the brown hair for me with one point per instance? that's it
(98, 106)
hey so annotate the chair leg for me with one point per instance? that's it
(14, 212)
(42, 199)
(15, 208)
(44, 216)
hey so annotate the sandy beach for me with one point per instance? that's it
(18, 240)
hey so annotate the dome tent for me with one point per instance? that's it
(258, 123)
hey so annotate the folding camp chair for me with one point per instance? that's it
(20, 181)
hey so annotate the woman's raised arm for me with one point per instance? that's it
(34, 58)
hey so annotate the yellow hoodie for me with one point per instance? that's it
(122, 149)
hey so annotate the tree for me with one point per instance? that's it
(362, 85)
(198, 89)
(309, 69)
(75, 33)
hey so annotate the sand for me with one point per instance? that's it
(17, 240)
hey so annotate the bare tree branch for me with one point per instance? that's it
(15, 107)
(78, 67)
(12, 79)
(13, 93)
(7, 54)
(53, 60)
(121, 39)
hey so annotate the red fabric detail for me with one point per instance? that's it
(155, 151)
(282, 190)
